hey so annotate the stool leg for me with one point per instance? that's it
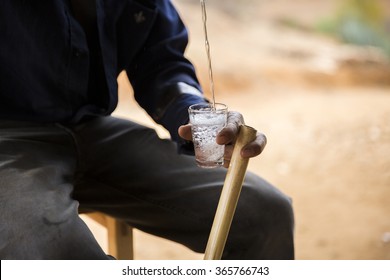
(120, 235)
(120, 239)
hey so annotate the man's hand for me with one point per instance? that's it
(228, 135)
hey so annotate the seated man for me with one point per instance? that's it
(60, 150)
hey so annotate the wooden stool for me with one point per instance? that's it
(120, 235)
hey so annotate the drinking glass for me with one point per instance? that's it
(207, 121)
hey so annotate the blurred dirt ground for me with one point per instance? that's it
(325, 108)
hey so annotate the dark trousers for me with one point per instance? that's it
(49, 171)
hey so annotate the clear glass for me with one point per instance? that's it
(207, 122)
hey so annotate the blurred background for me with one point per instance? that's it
(314, 76)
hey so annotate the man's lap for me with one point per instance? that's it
(126, 170)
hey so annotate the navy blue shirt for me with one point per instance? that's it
(45, 61)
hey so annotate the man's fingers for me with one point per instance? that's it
(185, 132)
(229, 133)
(227, 155)
(254, 148)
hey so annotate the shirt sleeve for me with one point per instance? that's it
(163, 79)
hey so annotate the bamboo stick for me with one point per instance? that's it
(229, 196)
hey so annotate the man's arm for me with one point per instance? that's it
(164, 81)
